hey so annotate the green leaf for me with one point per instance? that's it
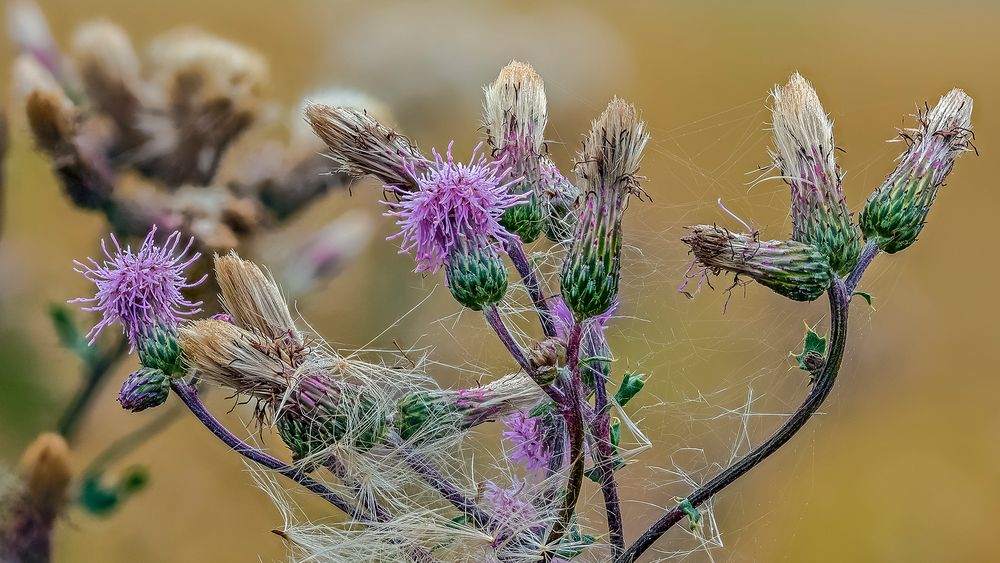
(866, 296)
(632, 383)
(577, 543)
(544, 407)
(694, 517)
(813, 348)
(69, 335)
(102, 500)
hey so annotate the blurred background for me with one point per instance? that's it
(903, 464)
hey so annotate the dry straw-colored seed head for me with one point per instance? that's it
(514, 107)
(253, 298)
(800, 124)
(612, 151)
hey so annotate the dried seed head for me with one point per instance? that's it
(608, 171)
(362, 146)
(109, 69)
(303, 138)
(52, 118)
(896, 211)
(793, 269)
(514, 108)
(29, 30)
(804, 152)
(253, 299)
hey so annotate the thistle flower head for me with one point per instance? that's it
(804, 152)
(514, 117)
(527, 438)
(794, 269)
(454, 201)
(895, 213)
(363, 146)
(607, 168)
(140, 289)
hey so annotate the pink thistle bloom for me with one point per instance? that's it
(140, 289)
(455, 201)
(528, 440)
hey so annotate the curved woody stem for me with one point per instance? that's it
(825, 379)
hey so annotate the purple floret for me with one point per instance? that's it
(528, 440)
(454, 201)
(142, 289)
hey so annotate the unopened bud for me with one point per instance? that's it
(476, 274)
(144, 388)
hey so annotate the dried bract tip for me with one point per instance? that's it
(362, 146)
(612, 151)
(895, 213)
(253, 298)
(804, 153)
(793, 269)
(109, 69)
(514, 108)
(52, 118)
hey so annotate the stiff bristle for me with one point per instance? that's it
(613, 149)
(514, 107)
(363, 146)
(253, 299)
(800, 124)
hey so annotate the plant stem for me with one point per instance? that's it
(839, 304)
(604, 455)
(868, 254)
(449, 491)
(129, 442)
(572, 412)
(189, 395)
(94, 374)
(503, 333)
(515, 250)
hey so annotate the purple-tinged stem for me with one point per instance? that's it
(571, 410)
(189, 395)
(503, 333)
(839, 304)
(449, 491)
(520, 260)
(604, 456)
(868, 254)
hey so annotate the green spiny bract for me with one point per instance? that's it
(144, 388)
(321, 413)
(526, 219)
(424, 416)
(896, 211)
(804, 153)
(476, 275)
(592, 270)
(560, 198)
(159, 349)
(793, 269)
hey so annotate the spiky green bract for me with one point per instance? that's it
(793, 269)
(144, 388)
(423, 416)
(159, 349)
(608, 167)
(321, 412)
(896, 211)
(526, 219)
(476, 274)
(804, 153)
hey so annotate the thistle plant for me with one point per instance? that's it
(373, 433)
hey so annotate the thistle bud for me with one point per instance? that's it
(514, 117)
(476, 274)
(793, 269)
(159, 350)
(608, 167)
(320, 412)
(804, 153)
(144, 388)
(896, 211)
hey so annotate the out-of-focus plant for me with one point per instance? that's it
(376, 436)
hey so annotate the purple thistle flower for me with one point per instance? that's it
(564, 319)
(141, 289)
(455, 201)
(528, 440)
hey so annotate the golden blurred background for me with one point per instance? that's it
(902, 466)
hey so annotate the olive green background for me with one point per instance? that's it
(903, 464)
